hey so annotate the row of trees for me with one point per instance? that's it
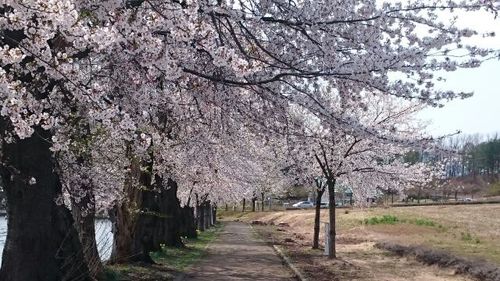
(469, 163)
(478, 155)
(144, 109)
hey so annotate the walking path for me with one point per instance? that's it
(237, 254)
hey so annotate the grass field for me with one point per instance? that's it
(471, 231)
(467, 230)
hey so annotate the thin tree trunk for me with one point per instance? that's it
(214, 216)
(200, 215)
(42, 243)
(244, 201)
(331, 201)
(254, 199)
(211, 209)
(262, 195)
(206, 213)
(317, 217)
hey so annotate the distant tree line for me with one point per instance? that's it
(470, 162)
(474, 155)
(477, 155)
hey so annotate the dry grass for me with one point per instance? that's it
(466, 230)
(358, 260)
(470, 231)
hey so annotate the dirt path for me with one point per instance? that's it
(239, 255)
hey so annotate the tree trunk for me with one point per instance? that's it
(200, 217)
(244, 202)
(189, 229)
(254, 199)
(214, 215)
(124, 217)
(42, 243)
(206, 213)
(171, 216)
(262, 195)
(317, 217)
(145, 238)
(84, 215)
(211, 214)
(332, 220)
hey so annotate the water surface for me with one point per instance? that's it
(104, 237)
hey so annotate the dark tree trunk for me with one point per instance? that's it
(331, 201)
(189, 229)
(171, 214)
(206, 213)
(42, 243)
(209, 215)
(317, 216)
(262, 207)
(254, 199)
(84, 215)
(244, 202)
(200, 217)
(214, 214)
(145, 238)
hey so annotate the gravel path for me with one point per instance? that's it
(237, 254)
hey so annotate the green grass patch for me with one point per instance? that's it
(467, 237)
(424, 222)
(385, 219)
(169, 260)
(390, 219)
(181, 258)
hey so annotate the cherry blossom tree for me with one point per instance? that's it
(138, 66)
(364, 160)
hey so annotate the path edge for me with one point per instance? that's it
(182, 275)
(289, 263)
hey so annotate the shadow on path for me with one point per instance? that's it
(237, 254)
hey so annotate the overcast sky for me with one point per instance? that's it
(480, 113)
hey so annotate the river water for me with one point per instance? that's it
(104, 237)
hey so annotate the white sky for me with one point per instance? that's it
(480, 113)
